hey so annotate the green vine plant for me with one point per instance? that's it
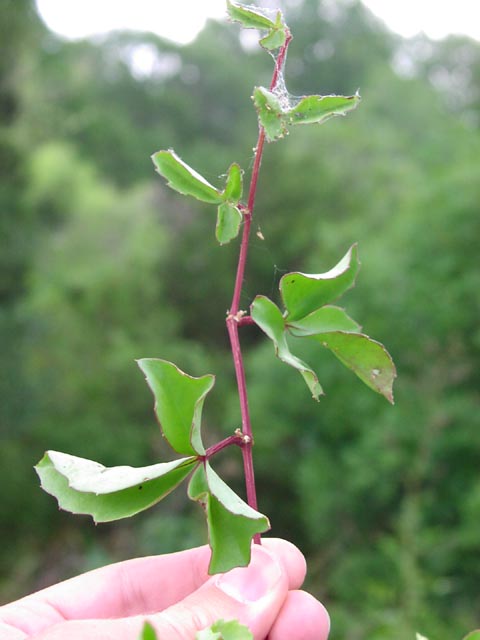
(85, 487)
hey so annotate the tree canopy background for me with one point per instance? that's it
(101, 264)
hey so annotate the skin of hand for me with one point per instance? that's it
(177, 596)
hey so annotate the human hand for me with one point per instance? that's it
(177, 596)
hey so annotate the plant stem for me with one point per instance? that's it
(237, 439)
(242, 259)
(235, 317)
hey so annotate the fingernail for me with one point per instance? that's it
(252, 583)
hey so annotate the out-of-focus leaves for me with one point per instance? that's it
(148, 632)
(225, 630)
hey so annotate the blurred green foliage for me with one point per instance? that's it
(100, 264)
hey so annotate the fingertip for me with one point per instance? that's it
(291, 558)
(253, 595)
(302, 617)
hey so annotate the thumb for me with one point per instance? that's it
(252, 595)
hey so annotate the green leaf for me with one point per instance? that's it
(148, 632)
(304, 293)
(254, 18)
(85, 487)
(365, 357)
(249, 17)
(178, 403)
(323, 320)
(275, 113)
(317, 109)
(233, 187)
(222, 630)
(274, 40)
(229, 219)
(277, 36)
(231, 522)
(183, 178)
(270, 114)
(269, 318)
(473, 635)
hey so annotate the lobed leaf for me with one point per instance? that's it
(229, 219)
(304, 293)
(323, 320)
(317, 109)
(86, 487)
(269, 318)
(231, 522)
(222, 630)
(183, 178)
(178, 403)
(366, 357)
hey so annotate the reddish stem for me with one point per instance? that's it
(235, 318)
(235, 439)
(244, 320)
(247, 216)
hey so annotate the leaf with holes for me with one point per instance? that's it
(108, 493)
(179, 402)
